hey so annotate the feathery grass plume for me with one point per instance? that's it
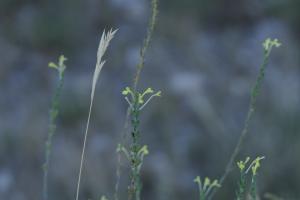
(136, 152)
(54, 110)
(144, 48)
(104, 42)
(206, 186)
(268, 45)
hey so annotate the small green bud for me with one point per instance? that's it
(141, 99)
(216, 183)
(158, 94)
(256, 165)
(127, 91)
(206, 182)
(119, 148)
(242, 164)
(269, 43)
(52, 65)
(60, 67)
(148, 91)
(197, 180)
(62, 60)
(143, 151)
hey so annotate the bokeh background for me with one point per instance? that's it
(204, 57)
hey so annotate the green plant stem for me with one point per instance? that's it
(240, 194)
(140, 66)
(52, 128)
(253, 188)
(151, 26)
(202, 195)
(135, 186)
(255, 92)
(118, 168)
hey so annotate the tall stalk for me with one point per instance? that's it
(103, 45)
(135, 186)
(54, 111)
(150, 29)
(139, 67)
(267, 47)
(136, 152)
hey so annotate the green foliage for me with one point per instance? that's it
(60, 66)
(134, 107)
(254, 168)
(244, 168)
(268, 44)
(240, 193)
(206, 186)
(141, 102)
(54, 110)
(136, 152)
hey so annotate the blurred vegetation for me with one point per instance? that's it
(204, 57)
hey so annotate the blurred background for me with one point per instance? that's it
(204, 56)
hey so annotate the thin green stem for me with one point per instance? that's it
(254, 94)
(118, 168)
(240, 194)
(139, 67)
(151, 26)
(54, 110)
(135, 186)
(202, 195)
(253, 188)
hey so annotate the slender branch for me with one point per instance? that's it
(52, 128)
(54, 110)
(118, 169)
(268, 44)
(151, 26)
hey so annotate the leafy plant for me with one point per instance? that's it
(132, 111)
(242, 184)
(54, 111)
(136, 152)
(254, 168)
(268, 45)
(206, 186)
